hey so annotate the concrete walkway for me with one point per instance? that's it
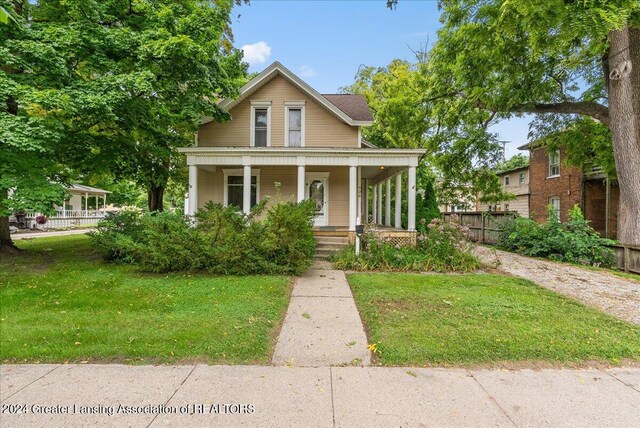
(87, 395)
(30, 235)
(322, 327)
(603, 290)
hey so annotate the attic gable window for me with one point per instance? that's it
(260, 123)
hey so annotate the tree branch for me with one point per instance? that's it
(587, 108)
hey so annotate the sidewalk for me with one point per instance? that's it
(322, 327)
(317, 397)
(30, 235)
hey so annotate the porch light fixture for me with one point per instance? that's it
(382, 168)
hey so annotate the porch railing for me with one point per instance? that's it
(69, 214)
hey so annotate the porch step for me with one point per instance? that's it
(332, 240)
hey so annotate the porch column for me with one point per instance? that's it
(104, 204)
(97, 204)
(379, 220)
(246, 190)
(359, 197)
(301, 182)
(387, 211)
(374, 209)
(353, 196)
(366, 201)
(86, 204)
(64, 208)
(193, 190)
(398, 208)
(411, 221)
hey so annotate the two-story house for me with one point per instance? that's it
(287, 141)
(516, 182)
(555, 183)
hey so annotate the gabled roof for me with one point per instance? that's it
(351, 110)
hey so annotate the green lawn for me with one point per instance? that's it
(59, 302)
(484, 319)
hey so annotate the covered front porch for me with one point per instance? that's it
(350, 186)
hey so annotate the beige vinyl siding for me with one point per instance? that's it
(211, 187)
(322, 128)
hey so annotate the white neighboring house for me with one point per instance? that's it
(85, 205)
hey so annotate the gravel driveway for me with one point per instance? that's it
(612, 294)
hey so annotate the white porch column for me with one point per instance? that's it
(411, 221)
(193, 190)
(97, 204)
(86, 204)
(374, 209)
(398, 208)
(365, 220)
(379, 220)
(387, 208)
(246, 190)
(353, 196)
(104, 204)
(359, 197)
(301, 182)
(64, 208)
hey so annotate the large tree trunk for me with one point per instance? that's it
(156, 195)
(6, 243)
(624, 112)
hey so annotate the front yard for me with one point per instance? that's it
(61, 303)
(422, 320)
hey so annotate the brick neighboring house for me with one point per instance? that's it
(553, 182)
(514, 181)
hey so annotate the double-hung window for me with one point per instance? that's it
(506, 180)
(294, 124)
(522, 178)
(554, 163)
(260, 123)
(234, 187)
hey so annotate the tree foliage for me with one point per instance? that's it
(108, 86)
(576, 64)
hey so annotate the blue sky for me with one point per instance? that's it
(325, 42)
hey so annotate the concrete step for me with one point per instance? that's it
(332, 240)
(324, 252)
(330, 247)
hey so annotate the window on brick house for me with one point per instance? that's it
(554, 211)
(554, 164)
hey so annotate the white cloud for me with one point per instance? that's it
(257, 53)
(307, 71)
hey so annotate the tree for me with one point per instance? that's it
(109, 87)
(514, 162)
(500, 58)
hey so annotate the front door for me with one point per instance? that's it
(317, 191)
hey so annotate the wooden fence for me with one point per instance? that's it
(483, 226)
(627, 257)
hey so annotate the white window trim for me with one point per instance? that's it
(293, 105)
(522, 178)
(239, 172)
(549, 175)
(252, 131)
(506, 180)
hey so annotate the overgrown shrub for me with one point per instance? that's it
(573, 241)
(442, 247)
(223, 240)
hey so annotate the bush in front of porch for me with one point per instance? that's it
(224, 240)
(441, 247)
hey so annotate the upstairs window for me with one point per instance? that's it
(522, 178)
(294, 124)
(554, 164)
(506, 180)
(260, 124)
